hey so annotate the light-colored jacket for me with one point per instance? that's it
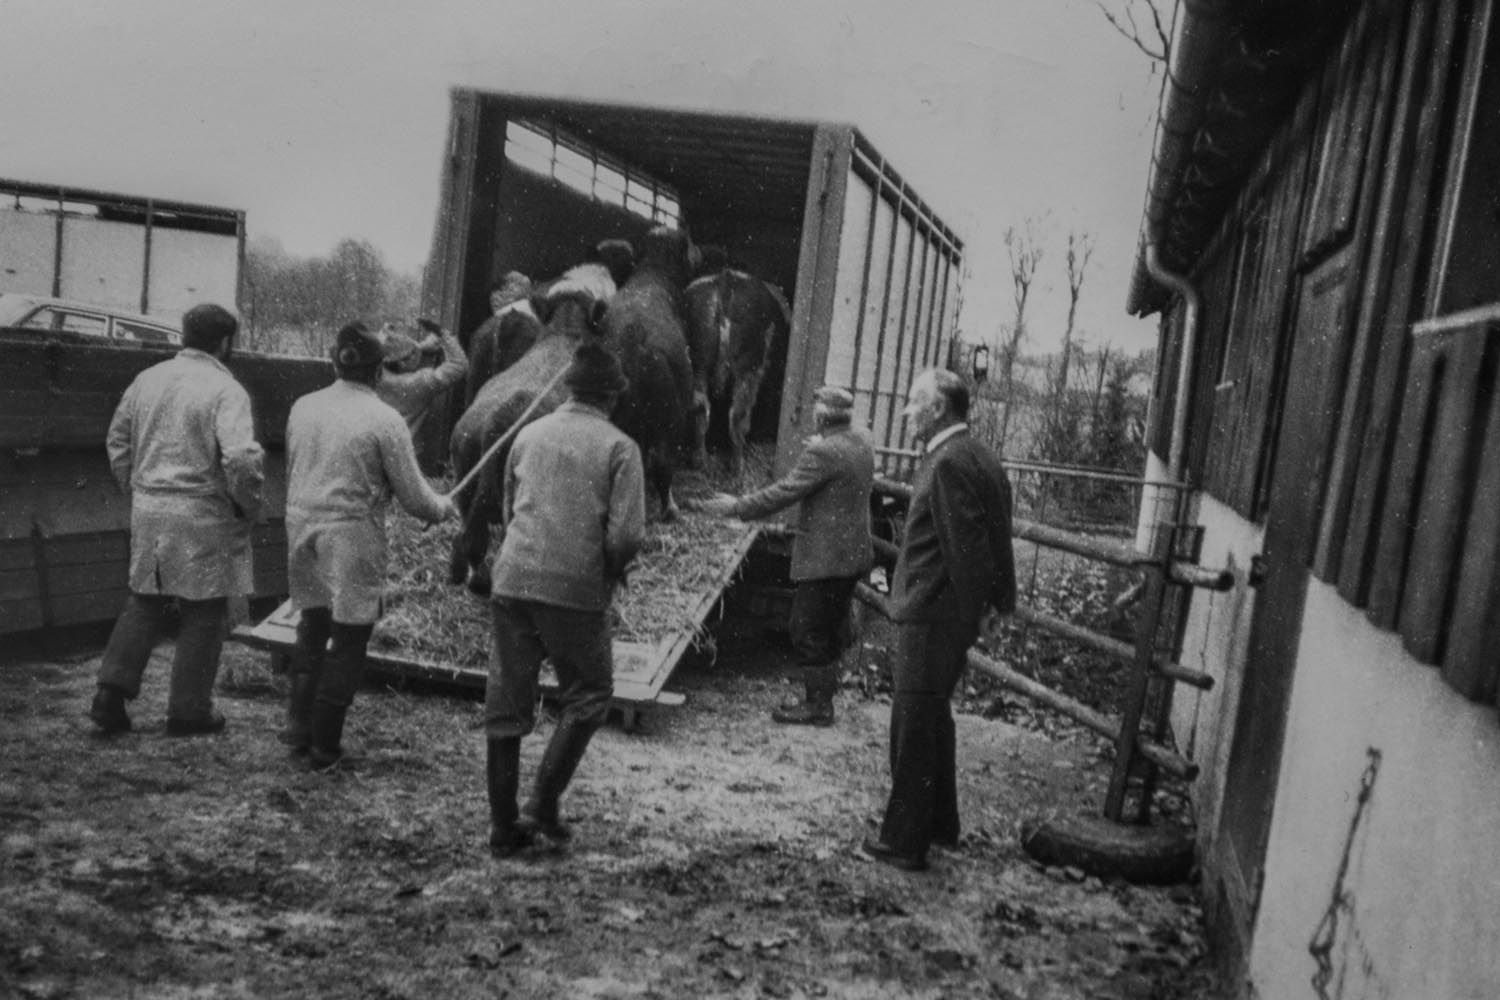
(574, 511)
(411, 393)
(182, 445)
(831, 483)
(348, 453)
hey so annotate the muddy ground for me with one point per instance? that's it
(715, 854)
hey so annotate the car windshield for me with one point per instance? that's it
(13, 308)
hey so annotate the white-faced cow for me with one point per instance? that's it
(644, 328)
(735, 322)
(571, 314)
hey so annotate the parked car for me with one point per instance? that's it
(84, 319)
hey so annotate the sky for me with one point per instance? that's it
(324, 120)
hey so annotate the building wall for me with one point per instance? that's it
(1214, 641)
(1418, 916)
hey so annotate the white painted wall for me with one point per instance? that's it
(1422, 888)
(1214, 641)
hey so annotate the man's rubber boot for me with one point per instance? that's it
(108, 710)
(502, 772)
(299, 709)
(816, 709)
(564, 751)
(325, 746)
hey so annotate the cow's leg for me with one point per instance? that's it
(475, 535)
(746, 391)
(699, 418)
(659, 474)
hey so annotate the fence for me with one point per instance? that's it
(1167, 572)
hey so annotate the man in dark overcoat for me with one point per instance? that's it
(955, 567)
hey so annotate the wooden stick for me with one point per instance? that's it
(502, 439)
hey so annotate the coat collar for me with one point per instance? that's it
(952, 430)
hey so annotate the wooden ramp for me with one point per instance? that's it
(642, 669)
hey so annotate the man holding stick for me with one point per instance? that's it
(347, 454)
(955, 568)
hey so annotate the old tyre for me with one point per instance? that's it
(1156, 855)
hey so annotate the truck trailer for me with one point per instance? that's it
(872, 274)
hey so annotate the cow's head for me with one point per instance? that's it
(669, 251)
(618, 256)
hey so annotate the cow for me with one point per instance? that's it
(735, 323)
(506, 336)
(571, 313)
(644, 328)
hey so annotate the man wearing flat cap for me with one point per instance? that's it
(410, 384)
(831, 550)
(348, 453)
(572, 520)
(182, 447)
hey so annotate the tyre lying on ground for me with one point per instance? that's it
(1151, 855)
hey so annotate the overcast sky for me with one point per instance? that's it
(327, 119)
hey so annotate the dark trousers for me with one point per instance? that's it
(819, 627)
(195, 665)
(528, 632)
(333, 653)
(923, 804)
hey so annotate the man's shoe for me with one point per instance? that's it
(108, 711)
(804, 714)
(214, 723)
(886, 854)
(507, 843)
(553, 829)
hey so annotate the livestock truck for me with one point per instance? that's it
(64, 542)
(871, 272)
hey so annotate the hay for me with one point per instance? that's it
(428, 619)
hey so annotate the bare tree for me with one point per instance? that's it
(1128, 17)
(1025, 250)
(1080, 249)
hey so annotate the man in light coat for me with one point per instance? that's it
(955, 568)
(573, 519)
(831, 551)
(347, 454)
(182, 447)
(411, 386)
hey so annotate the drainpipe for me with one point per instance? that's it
(1192, 303)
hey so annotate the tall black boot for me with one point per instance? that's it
(502, 771)
(314, 626)
(325, 748)
(299, 710)
(566, 748)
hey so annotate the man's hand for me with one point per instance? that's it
(989, 625)
(719, 505)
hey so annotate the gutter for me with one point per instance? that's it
(1192, 306)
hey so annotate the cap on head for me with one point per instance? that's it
(396, 346)
(206, 326)
(356, 347)
(595, 371)
(514, 287)
(834, 398)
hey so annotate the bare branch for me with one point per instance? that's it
(1131, 30)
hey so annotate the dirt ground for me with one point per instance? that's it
(715, 854)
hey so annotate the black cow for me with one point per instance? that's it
(571, 313)
(644, 328)
(735, 322)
